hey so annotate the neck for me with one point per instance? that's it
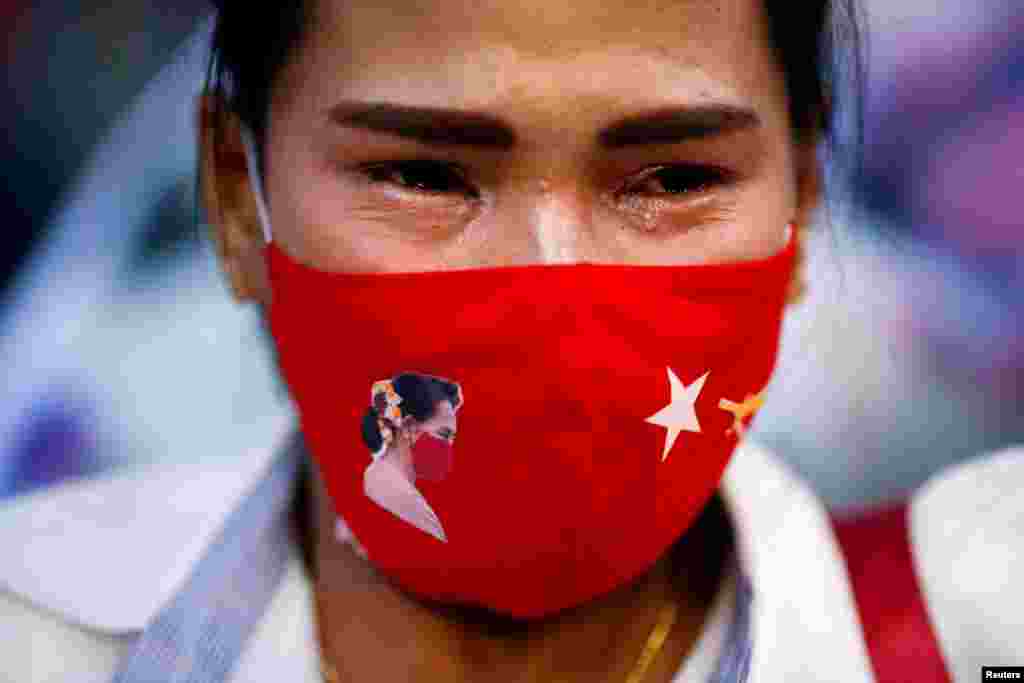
(370, 630)
(403, 458)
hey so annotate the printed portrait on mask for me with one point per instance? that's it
(410, 430)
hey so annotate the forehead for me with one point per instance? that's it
(533, 55)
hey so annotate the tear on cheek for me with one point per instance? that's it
(407, 222)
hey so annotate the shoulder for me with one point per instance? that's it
(40, 645)
(98, 557)
(973, 498)
(967, 529)
(106, 552)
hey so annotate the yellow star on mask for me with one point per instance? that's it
(679, 414)
(741, 411)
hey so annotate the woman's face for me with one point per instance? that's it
(441, 134)
(442, 423)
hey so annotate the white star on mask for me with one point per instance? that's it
(679, 414)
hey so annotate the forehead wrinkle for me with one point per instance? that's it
(540, 26)
(407, 30)
(537, 81)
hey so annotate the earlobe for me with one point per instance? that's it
(228, 200)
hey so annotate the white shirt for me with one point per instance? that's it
(88, 564)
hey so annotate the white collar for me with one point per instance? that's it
(109, 552)
(805, 624)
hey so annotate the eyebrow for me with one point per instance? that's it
(673, 124)
(453, 127)
(427, 125)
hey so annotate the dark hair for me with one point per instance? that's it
(420, 396)
(371, 432)
(818, 44)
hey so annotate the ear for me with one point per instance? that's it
(409, 425)
(229, 201)
(808, 198)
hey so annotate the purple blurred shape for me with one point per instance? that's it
(55, 441)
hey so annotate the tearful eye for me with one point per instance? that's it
(678, 180)
(422, 175)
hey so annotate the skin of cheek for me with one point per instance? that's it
(326, 217)
(442, 419)
(544, 225)
(748, 226)
(344, 225)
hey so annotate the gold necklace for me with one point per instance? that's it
(657, 637)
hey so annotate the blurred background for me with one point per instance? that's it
(120, 344)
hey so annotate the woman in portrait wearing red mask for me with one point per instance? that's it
(410, 429)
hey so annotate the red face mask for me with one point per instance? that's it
(432, 457)
(597, 407)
